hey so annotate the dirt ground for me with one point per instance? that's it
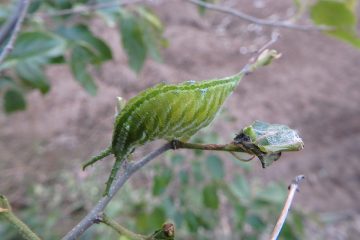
(314, 87)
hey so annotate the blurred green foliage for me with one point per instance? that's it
(51, 39)
(340, 16)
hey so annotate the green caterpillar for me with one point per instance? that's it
(167, 112)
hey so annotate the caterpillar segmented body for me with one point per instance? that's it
(166, 112)
(171, 112)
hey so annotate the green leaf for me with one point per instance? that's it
(132, 40)
(273, 193)
(177, 159)
(81, 34)
(57, 60)
(110, 15)
(157, 217)
(36, 44)
(80, 59)
(297, 223)
(194, 222)
(240, 186)
(347, 36)
(210, 196)
(32, 74)
(184, 177)
(150, 17)
(288, 233)
(191, 221)
(34, 6)
(197, 171)
(256, 223)
(14, 100)
(240, 215)
(60, 4)
(6, 82)
(337, 14)
(161, 181)
(323, 13)
(152, 29)
(215, 167)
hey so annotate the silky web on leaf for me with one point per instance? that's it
(273, 137)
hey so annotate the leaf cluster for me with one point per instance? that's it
(47, 39)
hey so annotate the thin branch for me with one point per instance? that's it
(293, 188)
(232, 147)
(120, 229)
(90, 8)
(128, 170)
(259, 21)
(12, 27)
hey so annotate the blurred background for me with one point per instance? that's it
(314, 88)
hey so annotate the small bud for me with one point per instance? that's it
(266, 57)
(169, 229)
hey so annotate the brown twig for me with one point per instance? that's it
(259, 21)
(293, 188)
(12, 27)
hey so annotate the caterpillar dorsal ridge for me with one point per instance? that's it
(167, 111)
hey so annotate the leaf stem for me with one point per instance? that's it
(120, 229)
(23, 229)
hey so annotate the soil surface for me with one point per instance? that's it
(314, 87)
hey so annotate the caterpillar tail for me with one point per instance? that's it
(112, 176)
(98, 157)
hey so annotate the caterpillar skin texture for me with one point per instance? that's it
(169, 112)
(166, 112)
